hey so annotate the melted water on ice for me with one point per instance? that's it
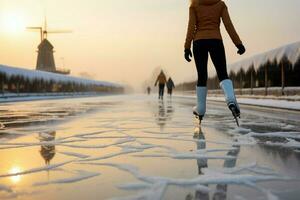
(135, 147)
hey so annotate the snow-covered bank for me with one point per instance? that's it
(48, 76)
(19, 81)
(290, 93)
(270, 103)
(290, 51)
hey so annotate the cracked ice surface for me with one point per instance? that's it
(135, 147)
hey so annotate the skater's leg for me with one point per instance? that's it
(217, 54)
(158, 93)
(200, 51)
(201, 56)
(162, 90)
(228, 90)
(233, 106)
(200, 109)
(218, 57)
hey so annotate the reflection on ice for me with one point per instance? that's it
(2, 127)
(34, 170)
(165, 113)
(47, 150)
(15, 170)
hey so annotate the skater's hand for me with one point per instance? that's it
(241, 48)
(187, 55)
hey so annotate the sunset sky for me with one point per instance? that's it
(124, 40)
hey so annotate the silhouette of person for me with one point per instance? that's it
(170, 86)
(161, 80)
(148, 90)
(204, 31)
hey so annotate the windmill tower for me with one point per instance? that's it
(45, 59)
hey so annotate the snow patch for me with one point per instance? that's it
(291, 135)
(5, 188)
(290, 144)
(78, 155)
(209, 177)
(38, 169)
(123, 152)
(271, 103)
(82, 176)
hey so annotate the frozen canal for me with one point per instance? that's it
(136, 147)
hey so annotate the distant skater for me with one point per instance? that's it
(148, 90)
(161, 80)
(170, 86)
(204, 31)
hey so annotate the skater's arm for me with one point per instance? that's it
(191, 28)
(229, 27)
(156, 81)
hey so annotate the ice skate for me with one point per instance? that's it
(230, 98)
(197, 115)
(200, 109)
(235, 112)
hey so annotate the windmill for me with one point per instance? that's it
(44, 30)
(45, 60)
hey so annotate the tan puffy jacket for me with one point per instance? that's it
(204, 22)
(161, 79)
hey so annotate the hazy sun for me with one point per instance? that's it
(11, 22)
(15, 170)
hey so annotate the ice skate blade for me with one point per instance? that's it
(236, 113)
(237, 121)
(198, 117)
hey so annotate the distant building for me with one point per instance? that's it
(45, 59)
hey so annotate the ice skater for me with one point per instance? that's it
(170, 86)
(204, 31)
(148, 90)
(161, 80)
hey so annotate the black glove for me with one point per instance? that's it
(188, 54)
(241, 48)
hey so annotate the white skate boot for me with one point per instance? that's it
(230, 98)
(200, 109)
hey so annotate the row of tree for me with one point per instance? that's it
(269, 74)
(21, 84)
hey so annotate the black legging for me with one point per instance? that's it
(161, 90)
(216, 50)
